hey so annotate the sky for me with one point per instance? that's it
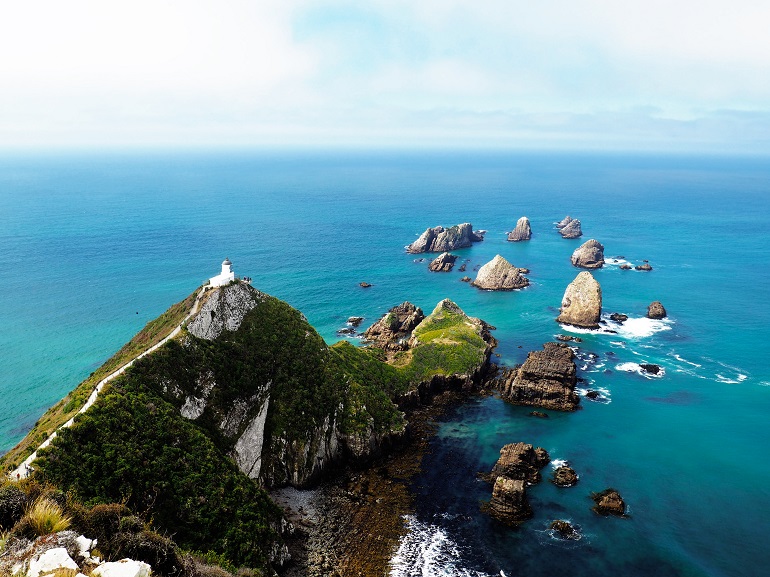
(652, 75)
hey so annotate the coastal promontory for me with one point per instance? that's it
(440, 239)
(500, 275)
(582, 302)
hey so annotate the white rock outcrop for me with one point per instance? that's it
(50, 561)
(224, 309)
(122, 568)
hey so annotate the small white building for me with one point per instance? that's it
(226, 276)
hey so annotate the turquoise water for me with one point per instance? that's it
(94, 246)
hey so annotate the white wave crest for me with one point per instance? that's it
(427, 551)
(556, 463)
(738, 379)
(636, 368)
(631, 328)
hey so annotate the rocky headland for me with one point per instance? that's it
(590, 255)
(440, 239)
(523, 230)
(582, 302)
(500, 275)
(547, 379)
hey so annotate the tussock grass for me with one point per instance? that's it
(45, 517)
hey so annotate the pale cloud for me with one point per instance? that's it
(507, 73)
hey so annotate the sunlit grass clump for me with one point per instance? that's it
(45, 517)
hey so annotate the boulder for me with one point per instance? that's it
(582, 302)
(364, 284)
(463, 267)
(521, 461)
(392, 331)
(547, 379)
(564, 529)
(355, 321)
(466, 279)
(522, 231)
(442, 263)
(568, 339)
(564, 476)
(50, 561)
(572, 230)
(619, 317)
(509, 502)
(440, 239)
(650, 368)
(644, 267)
(500, 275)
(656, 310)
(609, 502)
(538, 414)
(625, 266)
(590, 254)
(564, 222)
(122, 568)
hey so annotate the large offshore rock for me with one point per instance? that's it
(582, 302)
(523, 231)
(500, 275)
(223, 309)
(509, 501)
(443, 262)
(590, 254)
(564, 476)
(440, 239)
(392, 331)
(564, 222)
(656, 310)
(521, 461)
(547, 379)
(609, 502)
(571, 230)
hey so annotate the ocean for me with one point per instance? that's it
(94, 245)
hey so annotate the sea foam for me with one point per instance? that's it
(636, 368)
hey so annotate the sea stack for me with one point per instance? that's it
(518, 466)
(522, 231)
(582, 302)
(656, 310)
(500, 275)
(564, 222)
(590, 254)
(443, 263)
(572, 230)
(440, 239)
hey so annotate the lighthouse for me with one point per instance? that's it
(226, 276)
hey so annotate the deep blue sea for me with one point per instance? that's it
(94, 245)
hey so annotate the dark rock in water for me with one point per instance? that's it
(609, 502)
(523, 231)
(539, 414)
(564, 476)
(364, 284)
(619, 317)
(466, 279)
(440, 239)
(346, 331)
(591, 394)
(477, 267)
(500, 275)
(645, 260)
(572, 230)
(621, 257)
(392, 331)
(656, 310)
(590, 254)
(645, 267)
(443, 263)
(509, 502)
(581, 305)
(547, 379)
(568, 338)
(564, 530)
(463, 267)
(520, 461)
(625, 266)
(355, 321)
(650, 368)
(564, 222)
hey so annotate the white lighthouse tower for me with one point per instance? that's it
(226, 276)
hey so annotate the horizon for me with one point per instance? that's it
(637, 77)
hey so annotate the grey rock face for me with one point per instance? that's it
(521, 461)
(564, 222)
(582, 302)
(440, 239)
(500, 275)
(223, 310)
(523, 231)
(656, 310)
(590, 254)
(572, 230)
(443, 263)
(392, 332)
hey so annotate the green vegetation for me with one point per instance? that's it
(153, 332)
(448, 342)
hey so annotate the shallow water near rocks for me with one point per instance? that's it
(96, 245)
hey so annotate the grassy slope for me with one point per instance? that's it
(153, 332)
